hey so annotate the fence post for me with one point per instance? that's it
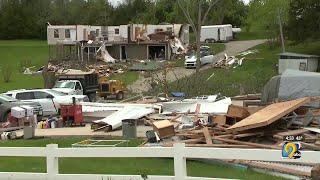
(180, 161)
(52, 161)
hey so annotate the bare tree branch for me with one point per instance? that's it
(208, 10)
(187, 15)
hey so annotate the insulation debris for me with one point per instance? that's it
(229, 61)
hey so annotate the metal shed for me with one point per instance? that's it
(302, 62)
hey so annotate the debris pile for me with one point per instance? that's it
(103, 69)
(240, 127)
(228, 62)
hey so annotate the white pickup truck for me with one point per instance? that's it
(205, 58)
(69, 87)
(76, 82)
(49, 99)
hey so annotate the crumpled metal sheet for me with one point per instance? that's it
(115, 119)
(217, 107)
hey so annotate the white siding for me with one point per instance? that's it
(61, 30)
(313, 65)
(290, 64)
(211, 32)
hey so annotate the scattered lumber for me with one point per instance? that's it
(292, 132)
(246, 143)
(310, 146)
(268, 114)
(247, 97)
(220, 119)
(207, 135)
(237, 112)
(163, 128)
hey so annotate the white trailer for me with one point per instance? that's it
(216, 33)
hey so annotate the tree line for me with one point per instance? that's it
(27, 19)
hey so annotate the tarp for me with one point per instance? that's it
(271, 90)
(292, 84)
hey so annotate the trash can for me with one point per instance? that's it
(129, 128)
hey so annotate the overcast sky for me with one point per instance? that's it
(116, 2)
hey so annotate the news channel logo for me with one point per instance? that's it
(290, 150)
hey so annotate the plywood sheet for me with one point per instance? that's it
(269, 114)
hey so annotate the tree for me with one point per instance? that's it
(192, 10)
(263, 15)
(304, 19)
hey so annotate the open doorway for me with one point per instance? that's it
(123, 52)
(157, 52)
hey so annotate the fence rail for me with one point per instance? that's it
(178, 152)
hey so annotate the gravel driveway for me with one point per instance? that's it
(232, 49)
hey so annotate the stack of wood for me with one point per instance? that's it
(264, 128)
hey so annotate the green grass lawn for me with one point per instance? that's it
(12, 53)
(127, 78)
(250, 35)
(256, 70)
(134, 166)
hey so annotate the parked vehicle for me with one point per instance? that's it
(206, 57)
(216, 33)
(49, 99)
(75, 82)
(111, 87)
(7, 102)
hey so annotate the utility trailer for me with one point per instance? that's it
(216, 33)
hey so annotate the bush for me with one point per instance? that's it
(6, 73)
(25, 64)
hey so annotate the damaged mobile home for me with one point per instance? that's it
(123, 42)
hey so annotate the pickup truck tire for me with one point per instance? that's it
(120, 95)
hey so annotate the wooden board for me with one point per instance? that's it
(207, 135)
(220, 119)
(237, 112)
(292, 132)
(268, 114)
(163, 128)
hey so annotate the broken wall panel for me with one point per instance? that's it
(268, 114)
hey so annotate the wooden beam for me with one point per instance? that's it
(207, 135)
(248, 135)
(310, 146)
(292, 132)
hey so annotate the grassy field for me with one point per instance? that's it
(12, 53)
(127, 77)
(149, 166)
(251, 35)
(256, 70)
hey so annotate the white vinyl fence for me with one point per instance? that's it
(179, 152)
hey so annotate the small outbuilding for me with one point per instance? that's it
(302, 62)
